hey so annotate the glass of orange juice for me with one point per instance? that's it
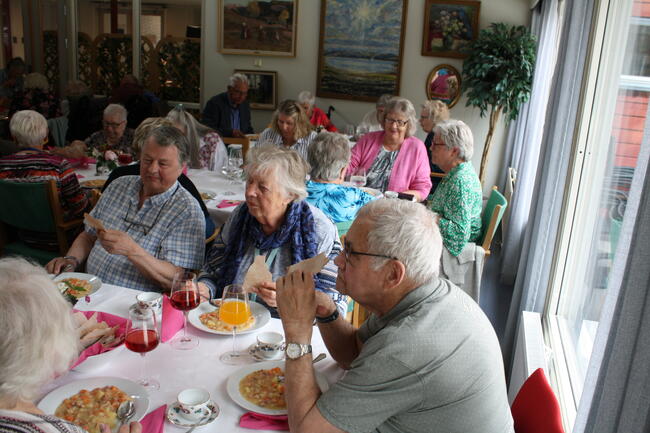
(234, 310)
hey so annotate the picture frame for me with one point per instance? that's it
(444, 83)
(262, 89)
(260, 28)
(449, 25)
(354, 39)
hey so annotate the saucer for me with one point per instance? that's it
(175, 415)
(255, 353)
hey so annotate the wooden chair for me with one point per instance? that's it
(492, 214)
(245, 143)
(35, 207)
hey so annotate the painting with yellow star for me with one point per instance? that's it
(360, 52)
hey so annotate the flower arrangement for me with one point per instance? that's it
(106, 160)
(451, 26)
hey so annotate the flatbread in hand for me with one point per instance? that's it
(257, 273)
(313, 265)
(94, 222)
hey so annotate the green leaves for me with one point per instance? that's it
(498, 71)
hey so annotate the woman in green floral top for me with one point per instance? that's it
(458, 198)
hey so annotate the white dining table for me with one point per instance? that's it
(180, 369)
(213, 183)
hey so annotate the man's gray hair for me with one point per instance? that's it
(28, 128)
(404, 107)
(456, 135)
(383, 100)
(237, 78)
(407, 231)
(287, 165)
(170, 136)
(39, 339)
(112, 109)
(328, 154)
(306, 97)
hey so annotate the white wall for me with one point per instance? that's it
(299, 73)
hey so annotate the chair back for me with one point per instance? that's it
(245, 144)
(492, 214)
(535, 408)
(27, 206)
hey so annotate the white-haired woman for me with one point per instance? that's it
(393, 158)
(329, 156)
(433, 112)
(207, 149)
(33, 315)
(459, 198)
(36, 95)
(316, 116)
(290, 128)
(276, 222)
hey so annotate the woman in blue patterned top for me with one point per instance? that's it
(458, 198)
(329, 156)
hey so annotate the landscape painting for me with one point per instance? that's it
(261, 28)
(360, 50)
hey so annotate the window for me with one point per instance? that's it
(612, 122)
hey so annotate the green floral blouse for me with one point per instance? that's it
(458, 200)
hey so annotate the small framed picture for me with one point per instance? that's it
(262, 89)
(449, 25)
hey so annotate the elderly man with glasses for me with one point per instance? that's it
(228, 113)
(427, 358)
(114, 134)
(152, 227)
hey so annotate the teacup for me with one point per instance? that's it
(194, 403)
(269, 344)
(151, 301)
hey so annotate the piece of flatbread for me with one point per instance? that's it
(94, 222)
(257, 273)
(313, 265)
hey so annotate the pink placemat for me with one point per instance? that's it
(97, 348)
(258, 421)
(154, 421)
(228, 203)
(172, 320)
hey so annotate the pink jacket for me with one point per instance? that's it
(411, 169)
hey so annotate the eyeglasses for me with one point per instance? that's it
(398, 122)
(112, 124)
(348, 251)
(438, 144)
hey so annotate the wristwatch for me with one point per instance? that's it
(296, 350)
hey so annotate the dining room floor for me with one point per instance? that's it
(495, 295)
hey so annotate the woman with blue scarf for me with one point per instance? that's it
(277, 223)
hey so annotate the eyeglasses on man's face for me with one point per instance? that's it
(113, 124)
(397, 122)
(348, 252)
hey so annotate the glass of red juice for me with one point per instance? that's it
(184, 296)
(142, 337)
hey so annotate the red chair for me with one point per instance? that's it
(535, 408)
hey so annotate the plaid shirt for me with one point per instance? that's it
(170, 226)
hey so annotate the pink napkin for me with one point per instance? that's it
(154, 421)
(172, 320)
(79, 176)
(228, 203)
(97, 348)
(258, 421)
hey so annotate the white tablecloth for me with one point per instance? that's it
(180, 369)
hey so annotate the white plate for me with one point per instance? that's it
(259, 311)
(51, 401)
(95, 282)
(98, 361)
(234, 379)
(207, 195)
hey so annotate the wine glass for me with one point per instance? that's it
(358, 177)
(184, 297)
(234, 310)
(142, 337)
(235, 162)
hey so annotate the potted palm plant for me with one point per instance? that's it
(498, 75)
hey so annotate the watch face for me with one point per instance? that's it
(293, 350)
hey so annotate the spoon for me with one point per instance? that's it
(319, 358)
(125, 412)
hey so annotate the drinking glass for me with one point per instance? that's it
(185, 297)
(358, 177)
(142, 337)
(234, 310)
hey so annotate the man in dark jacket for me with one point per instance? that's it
(228, 113)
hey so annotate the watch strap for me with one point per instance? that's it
(332, 317)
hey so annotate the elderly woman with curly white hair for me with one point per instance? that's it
(393, 158)
(459, 197)
(276, 222)
(34, 316)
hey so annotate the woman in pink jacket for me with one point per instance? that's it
(394, 159)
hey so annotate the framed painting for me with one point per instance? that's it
(262, 89)
(444, 83)
(449, 25)
(259, 28)
(360, 48)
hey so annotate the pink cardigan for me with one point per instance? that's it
(411, 169)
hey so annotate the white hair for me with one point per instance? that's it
(407, 231)
(288, 167)
(28, 128)
(237, 78)
(306, 97)
(405, 107)
(383, 100)
(39, 340)
(456, 135)
(118, 109)
(328, 154)
(194, 131)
